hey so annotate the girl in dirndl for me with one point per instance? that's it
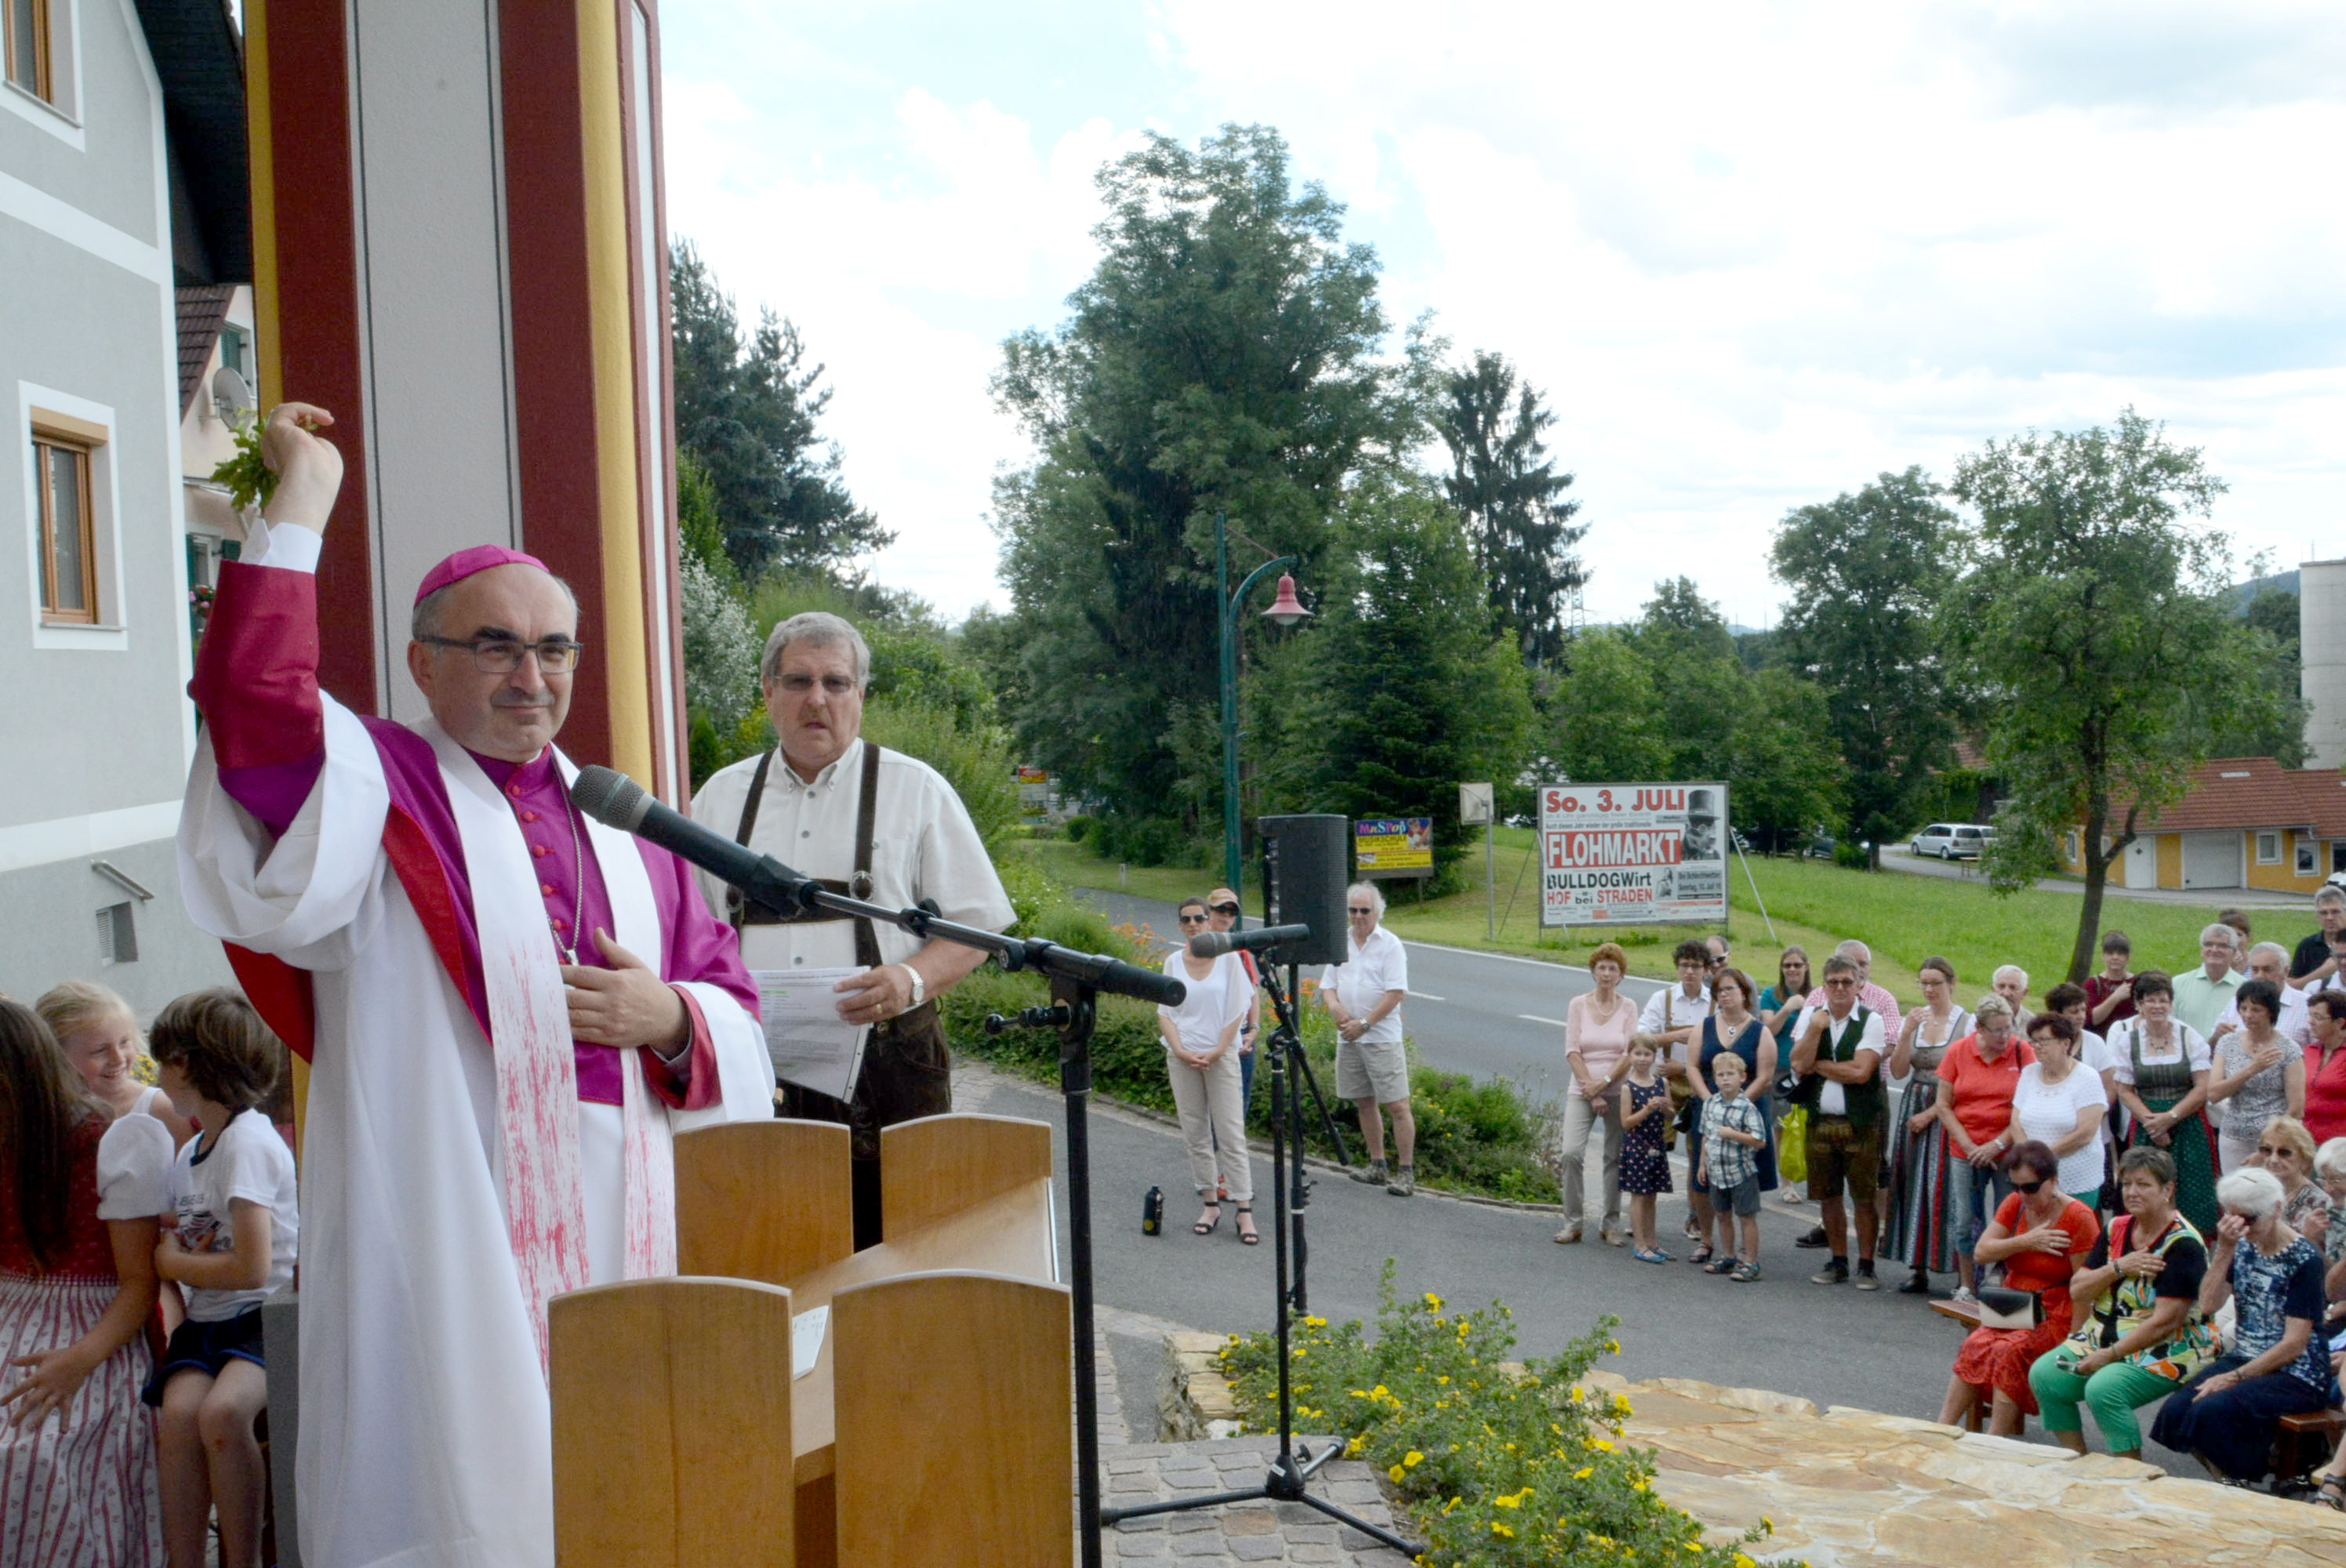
(1921, 1216)
(80, 1202)
(2162, 1073)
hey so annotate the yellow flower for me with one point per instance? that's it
(1743, 1561)
(1395, 1474)
(1443, 1380)
(1352, 1449)
(1508, 1502)
(1621, 1405)
(1639, 1485)
(1583, 1474)
(1412, 1459)
(1500, 1530)
(1434, 1301)
(1601, 1446)
(1614, 1346)
(1451, 1506)
(1767, 1524)
(1578, 1393)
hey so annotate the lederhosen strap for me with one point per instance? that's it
(741, 913)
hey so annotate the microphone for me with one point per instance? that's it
(618, 802)
(1214, 944)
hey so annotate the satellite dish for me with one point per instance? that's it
(229, 395)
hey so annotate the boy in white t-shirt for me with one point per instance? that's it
(229, 1246)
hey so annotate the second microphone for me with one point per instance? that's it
(1214, 944)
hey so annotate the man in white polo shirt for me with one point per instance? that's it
(1364, 994)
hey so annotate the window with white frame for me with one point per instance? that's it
(2069, 845)
(2268, 849)
(72, 542)
(2305, 864)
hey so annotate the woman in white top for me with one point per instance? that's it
(2058, 1102)
(100, 1037)
(1201, 1040)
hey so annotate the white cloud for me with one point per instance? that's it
(1755, 254)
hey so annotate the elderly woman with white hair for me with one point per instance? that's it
(2011, 983)
(2226, 1417)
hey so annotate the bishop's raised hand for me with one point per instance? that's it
(309, 468)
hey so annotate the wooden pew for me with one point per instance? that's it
(766, 1200)
(672, 1425)
(934, 1166)
(951, 1402)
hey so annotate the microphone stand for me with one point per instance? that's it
(1291, 1470)
(1077, 980)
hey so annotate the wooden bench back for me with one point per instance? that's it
(768, 1200)
(672, 1425)
(933, 1167)
(953, 1397)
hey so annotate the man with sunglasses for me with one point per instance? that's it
(509, 1009)
(1364, 994)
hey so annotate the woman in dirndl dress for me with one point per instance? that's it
(1921, 1222)
(2162, 1073)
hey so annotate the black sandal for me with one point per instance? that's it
(1206, 1226)
(1247, 1235)
(1702, 1256)
(2332, 1493)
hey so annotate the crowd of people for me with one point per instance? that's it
(2128, 1184)
(147, 1211)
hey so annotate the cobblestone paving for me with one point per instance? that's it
(1237, 1532)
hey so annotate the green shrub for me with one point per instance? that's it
(1853, 856)
(1497, 1465)
(1078, 827)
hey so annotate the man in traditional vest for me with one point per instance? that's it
(508, 1010)
(1837, 1056)
(872, 824)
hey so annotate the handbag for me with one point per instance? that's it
(2001, 1307)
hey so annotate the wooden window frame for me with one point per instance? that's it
(82, 443)
(45, 54)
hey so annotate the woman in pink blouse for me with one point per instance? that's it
(1597, 1029)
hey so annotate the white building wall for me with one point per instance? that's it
(2321, 639)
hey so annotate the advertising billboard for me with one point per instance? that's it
(1393, 846)
(1633, 854)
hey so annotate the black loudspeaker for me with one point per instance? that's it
(1305, 863)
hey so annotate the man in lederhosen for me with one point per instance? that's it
(872, 824)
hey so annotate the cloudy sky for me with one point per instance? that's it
(1754, 254)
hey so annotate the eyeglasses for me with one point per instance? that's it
(2271, 1152)
(1843, 984)
(2030, 1187)
(502, 655)
(1191, 919)
(1226, 909)
(1357, 909)
(798, 683)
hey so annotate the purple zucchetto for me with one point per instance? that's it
(464, 562)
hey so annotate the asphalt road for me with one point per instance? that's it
(1488, 1014)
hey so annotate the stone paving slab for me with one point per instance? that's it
(1257, 1531)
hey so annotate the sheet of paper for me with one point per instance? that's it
(807, 1329)
(810, 1046)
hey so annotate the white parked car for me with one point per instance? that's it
(1952, 841)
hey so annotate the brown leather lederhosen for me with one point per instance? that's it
(907, 1070)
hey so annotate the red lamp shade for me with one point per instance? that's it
(1285, 609)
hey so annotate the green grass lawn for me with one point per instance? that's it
(1904, 919)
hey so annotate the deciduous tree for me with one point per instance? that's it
(2094, 621)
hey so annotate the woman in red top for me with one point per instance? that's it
(2325, 1067)
(79, 1203)
(1978, 1075)
(2040, 1234)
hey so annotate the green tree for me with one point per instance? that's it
(1415, 686)
(1605, 715)
(1506, 486)
(2276, 729)
(746, 408)
(1221, 358)
(1866, 573)
(1698, 680)
(1784, 777)
(2095, 620)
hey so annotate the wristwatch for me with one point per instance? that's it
(920, 988)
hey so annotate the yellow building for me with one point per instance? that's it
(2245, 822)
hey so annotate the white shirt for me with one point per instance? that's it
(249, 1160)
(1672, 1008)
(1832, 1099)
(1377, 965)
(2295, 1021)
(1211, 1002)
(2121, 1044)
(924, 846)
(2049, 1112)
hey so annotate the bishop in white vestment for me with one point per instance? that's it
(508, 1009)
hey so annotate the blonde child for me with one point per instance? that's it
(231, 1245)
(1731, 1134)
(1644, 1165)
(100, 1037)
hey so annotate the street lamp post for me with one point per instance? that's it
(1285, 610)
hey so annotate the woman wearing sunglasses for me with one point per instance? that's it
(2041, 1236)
(1202, 1047)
